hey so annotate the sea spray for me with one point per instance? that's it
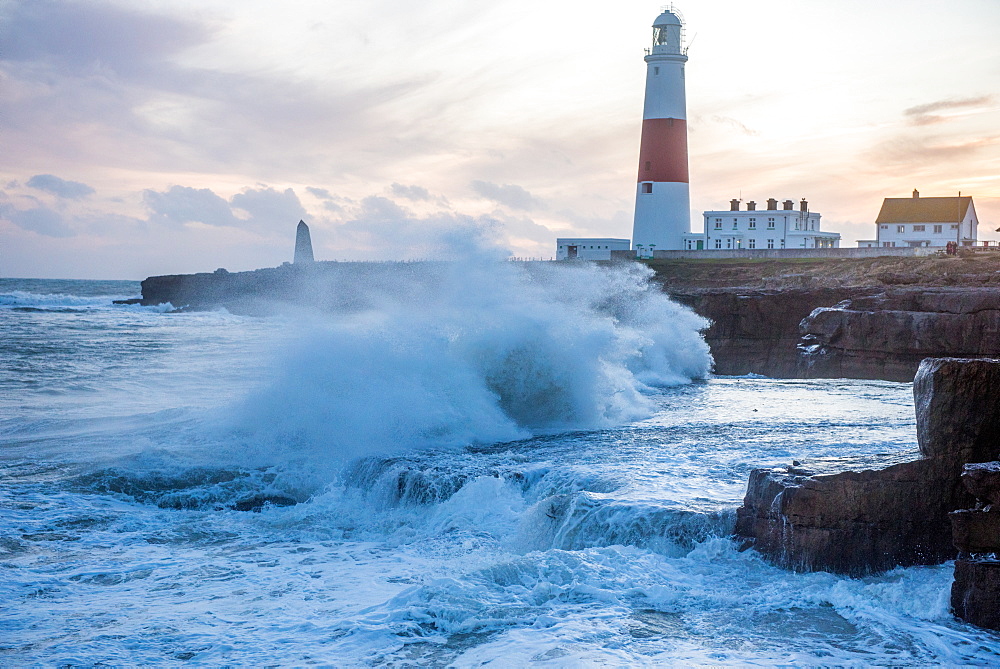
(446, 354)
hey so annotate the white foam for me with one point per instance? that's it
(476, 353)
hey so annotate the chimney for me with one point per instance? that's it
(751, 206)
(803, 206)
(772, 204)
(916, 193)
(734, 205)
(788, 205)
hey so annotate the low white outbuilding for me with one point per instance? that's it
(589, 248)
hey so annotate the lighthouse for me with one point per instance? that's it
(662, 200)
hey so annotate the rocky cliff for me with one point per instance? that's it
(885, 336)
(758, 331)
(867, 516)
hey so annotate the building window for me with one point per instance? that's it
(770, 243)
(753, 223)
(884, 227)
(718, 243)
(900, 228)
(782, 242)
(752, 243)
(937, 229)
(647, 187)
(736, 224)
(770, 224)
(718, 224)
(918, 228)
(954, 227)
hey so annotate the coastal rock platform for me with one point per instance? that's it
(871, 516)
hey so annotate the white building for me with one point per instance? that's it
(662, 200)
(588, 248)
(924, 221)
(771, 228)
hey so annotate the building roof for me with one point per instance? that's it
(924, 209)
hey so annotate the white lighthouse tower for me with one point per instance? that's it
(662, 201)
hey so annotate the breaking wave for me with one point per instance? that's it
(455, 354)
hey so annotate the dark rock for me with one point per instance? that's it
(886, 336)
(982, 479)
(976, 531)
(958, 408)
(863, 517)
(757, 331)
(854, 522)
(258, 502)
(975, 594)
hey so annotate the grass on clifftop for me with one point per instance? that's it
(981, 268)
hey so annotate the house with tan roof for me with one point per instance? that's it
(924, 221)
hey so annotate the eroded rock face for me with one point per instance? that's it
(982, 479)
(757, 331)
(861, 517)
(854, 522)
(975, 594)
(886, 336)
(958, 408)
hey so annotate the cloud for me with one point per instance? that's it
(265, 207)
(71, 190)
(410, 192)
(86, 36)
(510, 195)
(41, 220)
(921, 114)
(321, 193)
(268, 206)
(182, 204)
(909, 150)
(381, 229)
(733, 123)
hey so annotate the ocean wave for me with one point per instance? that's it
(476, 354)
(62, 303)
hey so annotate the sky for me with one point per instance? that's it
(170, 136)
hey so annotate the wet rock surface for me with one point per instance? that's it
(757, 331)
(863, 517)
(885, 336)
(975, 593)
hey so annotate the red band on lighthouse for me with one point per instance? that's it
(663, 154)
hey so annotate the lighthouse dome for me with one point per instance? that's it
(667, 18)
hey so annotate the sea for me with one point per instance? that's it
(503, 464)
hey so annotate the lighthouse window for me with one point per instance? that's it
(656, 70)
(648, 165)
(647, 187)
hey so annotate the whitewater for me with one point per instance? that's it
(449, 465)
